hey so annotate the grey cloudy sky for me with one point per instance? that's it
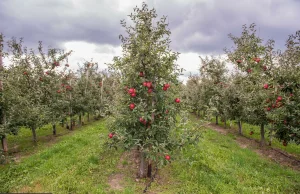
(199, 27)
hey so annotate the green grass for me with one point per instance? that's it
(23, 144)
(219, 165)
(79, 164)
(76, 164)
(291, 148)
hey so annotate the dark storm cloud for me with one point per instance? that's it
(200, 26)
(206, 25)
(57, 21)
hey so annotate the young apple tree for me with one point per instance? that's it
(255, 61)
(149, 103)
(234, 100)
(213, 73)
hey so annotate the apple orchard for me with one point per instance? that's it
(141, 97)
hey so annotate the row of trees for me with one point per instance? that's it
(263, 89)
(141, 90)
(38, 88)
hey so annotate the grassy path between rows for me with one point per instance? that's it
(78, 163)
(292, 148)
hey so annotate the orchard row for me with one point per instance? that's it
(38, 89)
(263, 89)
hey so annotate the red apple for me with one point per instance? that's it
(167, 111)
(249, 70)
(24, 73)
(149, 84)
(266, 86)
(133, 95)
(269, 109)
(167, 157)
(47, 72)
(257, 60)
(131, 90)
(110, 135)
(279, 98)
(141, 74)
(132, 106)
(150, 90)
(265, 68)
(41, 79)
(239, 61)
(145, 84)
(177, 100)
(166, 86)
(291, 95)
(58, 91)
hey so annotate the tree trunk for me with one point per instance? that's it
(271, 137)
(142, 173)
(71, 124)
(225, 123)
(3, 119)
(34, 135)
(80, 120)
(88, 117)
(62, 122)
(149, 173)
(4, 143)
(240, 127)
(54, 129)
(217, 120)
(262, 135)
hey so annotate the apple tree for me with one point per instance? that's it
(193, 93)
(254, 60)
(284, 93)
(52, 70)
(234, 100)
(31, 87)
(146, 113)
(213, 74)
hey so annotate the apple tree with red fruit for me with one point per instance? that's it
(284, 93)
(255, 61)
(32, 89)
(53, 65)
(145, 115)
(5, 128)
